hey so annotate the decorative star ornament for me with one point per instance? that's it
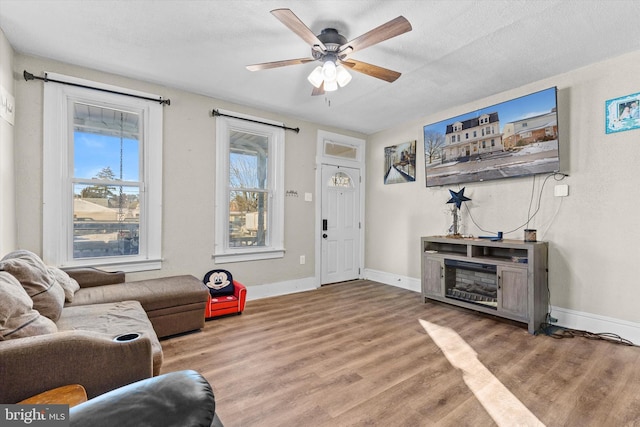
(458, 197)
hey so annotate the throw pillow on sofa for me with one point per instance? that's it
(69, 284)
(33, 275)
(18, 319)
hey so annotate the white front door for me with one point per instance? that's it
(340, 224)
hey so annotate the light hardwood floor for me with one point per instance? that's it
(358, 353)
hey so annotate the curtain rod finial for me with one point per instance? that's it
(27, 75)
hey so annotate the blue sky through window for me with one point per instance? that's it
(94, 152)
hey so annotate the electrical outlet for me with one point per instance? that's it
(302, 259)
(561, 190)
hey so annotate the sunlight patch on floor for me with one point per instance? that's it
(498, 401)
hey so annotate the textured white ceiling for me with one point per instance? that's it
(459, 51)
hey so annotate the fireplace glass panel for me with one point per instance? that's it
(471, 282)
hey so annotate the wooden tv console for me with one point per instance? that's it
(506, 278)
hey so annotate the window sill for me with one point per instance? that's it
(129, 266)
(248, 256)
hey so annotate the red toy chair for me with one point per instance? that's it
(226, 296)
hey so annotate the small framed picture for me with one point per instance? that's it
(622, 113)
(400, 163)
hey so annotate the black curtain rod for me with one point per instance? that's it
(215, 113)
(28, 76)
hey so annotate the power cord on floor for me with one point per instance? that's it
(559, 332)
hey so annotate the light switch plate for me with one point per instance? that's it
(308, 197)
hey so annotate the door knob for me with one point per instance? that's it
(324, 236)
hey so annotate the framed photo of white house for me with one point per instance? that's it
(515, 138)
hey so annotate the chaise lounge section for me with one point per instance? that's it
(173, 304)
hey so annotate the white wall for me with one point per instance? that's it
(594, 239)
(7, 172)
(188, 187)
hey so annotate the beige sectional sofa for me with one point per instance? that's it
(86, 326)
(173, 304)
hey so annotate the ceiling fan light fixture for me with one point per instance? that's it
(330, 48)
(316, 77)
(330, 85)
(329, 70)
(342, 76)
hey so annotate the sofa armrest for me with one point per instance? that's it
(32, 365)
(176, 399)
(240, 292)
(89, 276)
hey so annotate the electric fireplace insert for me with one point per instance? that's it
(471, 282)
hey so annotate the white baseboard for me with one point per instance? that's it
(397, 280)
(281, 288)
(567, 318)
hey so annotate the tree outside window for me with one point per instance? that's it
(248, 192)
(249, 217)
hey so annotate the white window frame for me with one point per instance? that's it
(223, 253)
(57, 239)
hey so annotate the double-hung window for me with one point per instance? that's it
(102, 178)
(249, 220)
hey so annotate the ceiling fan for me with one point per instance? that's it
(333, 50)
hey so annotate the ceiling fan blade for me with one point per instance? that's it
(372, 70)
(393, 28)
(288, 18)
(276, 64)
(318, 90)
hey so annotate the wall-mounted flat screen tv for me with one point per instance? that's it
(511, 139)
